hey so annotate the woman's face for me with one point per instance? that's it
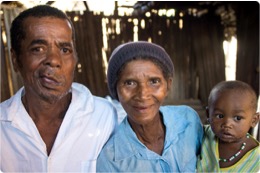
(141, 90)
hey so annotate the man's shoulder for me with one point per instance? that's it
(11, 105)
(102, 101)
(85, 98)
(15, 97)
(82, 91)
(79, 88)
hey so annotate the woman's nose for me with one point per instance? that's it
(143, 91)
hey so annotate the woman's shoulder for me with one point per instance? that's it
(180, 111)
(178, 108)
(118, 146)
(119, 136)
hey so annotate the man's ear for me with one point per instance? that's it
(255, 119)
(15, 61)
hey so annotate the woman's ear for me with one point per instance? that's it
(255, 119)
(169, 84)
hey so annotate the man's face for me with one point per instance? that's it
(48, 57)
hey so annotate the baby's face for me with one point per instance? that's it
(231, 115)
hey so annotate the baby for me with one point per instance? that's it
(227, 146)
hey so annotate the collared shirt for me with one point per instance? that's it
(87, 125)
(125, 153)
(209, 159)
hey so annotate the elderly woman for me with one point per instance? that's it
(152, 137)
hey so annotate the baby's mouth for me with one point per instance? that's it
(226, 135)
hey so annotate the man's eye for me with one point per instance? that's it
(219, 116)
(65, 50)
(37, 49)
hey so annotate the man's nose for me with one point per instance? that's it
(53, 57)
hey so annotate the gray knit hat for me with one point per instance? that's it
(128, 51)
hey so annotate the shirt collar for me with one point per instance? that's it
(126, 137)
(82, 102)
(175, 125)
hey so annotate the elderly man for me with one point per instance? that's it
(51, 124)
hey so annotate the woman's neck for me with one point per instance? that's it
(152, 134)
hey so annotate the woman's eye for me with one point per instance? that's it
(129, 83)
(219, 116)
(155, 81)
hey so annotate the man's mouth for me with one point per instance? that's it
(49, 81)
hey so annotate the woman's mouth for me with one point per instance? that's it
(141, 109)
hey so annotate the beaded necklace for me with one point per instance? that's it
(237, 154)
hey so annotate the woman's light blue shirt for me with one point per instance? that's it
(125, 153)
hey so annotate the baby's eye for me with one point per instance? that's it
(237, 118)
(219, 116)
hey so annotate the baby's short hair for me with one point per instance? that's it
(233, 85)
